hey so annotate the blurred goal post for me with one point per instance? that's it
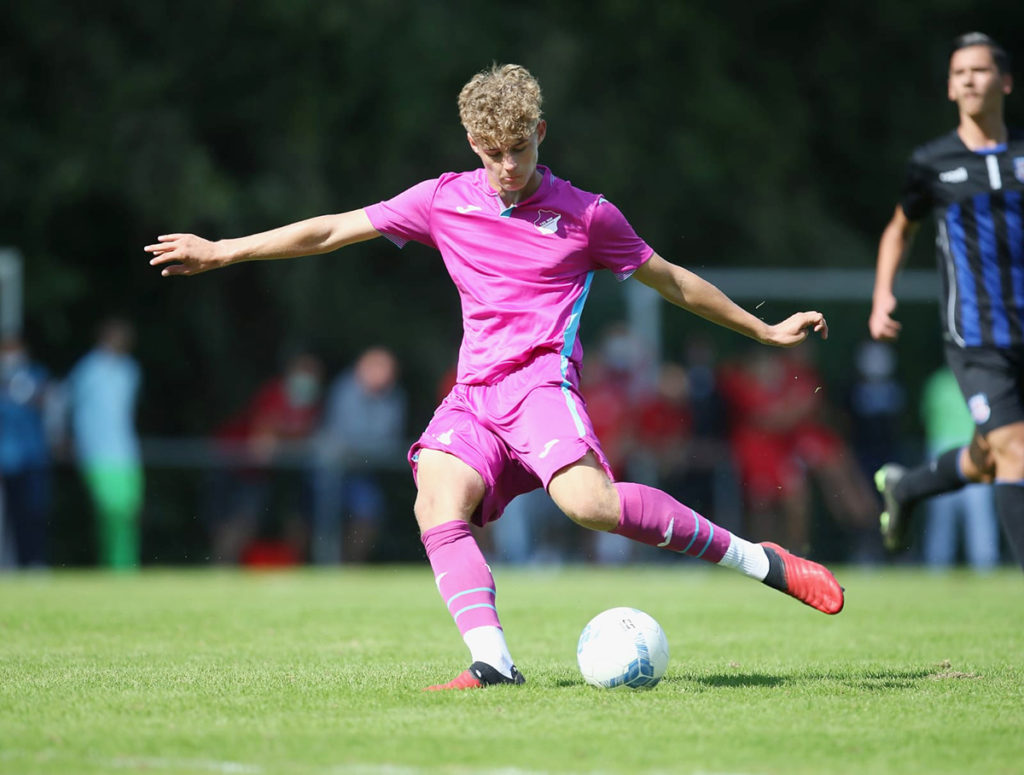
(11, 291)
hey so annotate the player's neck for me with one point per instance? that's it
(981, 132)
(511, 198)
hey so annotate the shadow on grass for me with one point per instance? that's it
(875, 680)
(740, 680)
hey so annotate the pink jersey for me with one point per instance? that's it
(523, 272)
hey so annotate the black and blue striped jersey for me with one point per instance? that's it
(976, 197)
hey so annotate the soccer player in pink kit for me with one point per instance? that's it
(522, 247)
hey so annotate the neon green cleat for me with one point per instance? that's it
(894, 520)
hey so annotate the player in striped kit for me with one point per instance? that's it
(522, 247)
(972, 179)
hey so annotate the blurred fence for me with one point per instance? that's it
(182, 476)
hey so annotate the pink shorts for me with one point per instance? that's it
(516, 433)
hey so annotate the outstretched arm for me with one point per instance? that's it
(892, 250)
(695, 294)
(187, 254)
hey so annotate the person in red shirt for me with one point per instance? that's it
(272, 431)
(779, 435)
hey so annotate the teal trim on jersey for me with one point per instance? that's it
(571, 331)
(573, 326)
(507, 212)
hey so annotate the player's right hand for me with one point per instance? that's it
(882, 326)
(184, 254)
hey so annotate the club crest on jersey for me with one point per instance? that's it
(1018, 168)
(980, 410)
(547, 222)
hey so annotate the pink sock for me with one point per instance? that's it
(655, 518)
(462, 575)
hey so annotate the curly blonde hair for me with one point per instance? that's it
(500, 106)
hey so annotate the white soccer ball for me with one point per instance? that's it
(622, 647)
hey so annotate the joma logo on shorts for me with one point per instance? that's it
(547, 448)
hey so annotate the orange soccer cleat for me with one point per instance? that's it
(479, 675)
(807, 581)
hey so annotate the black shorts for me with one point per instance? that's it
(992, 381)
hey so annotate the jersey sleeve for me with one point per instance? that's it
(613, 242)
(916, 197)
(406, 216)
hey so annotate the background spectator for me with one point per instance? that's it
(25, 475)
(616, 378)
(103, 389)
(875, 404)
(780, 435)
(364, 424)
(269, 436)
(876, 401)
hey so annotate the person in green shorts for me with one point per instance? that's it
(103, 388)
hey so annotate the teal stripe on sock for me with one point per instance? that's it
(469, 592)
(710, 536)
(696, 530)
(459, 613)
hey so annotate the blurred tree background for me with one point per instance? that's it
(731, 134)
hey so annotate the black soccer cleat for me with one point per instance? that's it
(479, 675)
(895, 517)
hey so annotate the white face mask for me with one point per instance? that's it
(303, 389)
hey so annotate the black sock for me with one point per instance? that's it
(941, 475)
(1010, 508)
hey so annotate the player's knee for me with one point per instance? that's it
(1009, 456)
(591, 510)
(593, 519)
(431, 510)
(586, 495)
(447, 489)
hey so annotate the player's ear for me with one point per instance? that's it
(472, 143)
(1007, 83)
(542, 130)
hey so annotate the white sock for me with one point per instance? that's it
(487, 644)
(746, 557)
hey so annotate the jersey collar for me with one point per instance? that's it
(545, 183)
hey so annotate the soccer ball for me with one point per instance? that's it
(622, 647)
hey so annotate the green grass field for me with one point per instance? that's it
(320, 672)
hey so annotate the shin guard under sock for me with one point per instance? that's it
(467, 587)
(655, 518)
(462, 575)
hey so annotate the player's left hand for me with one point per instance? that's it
(796, 328)
(185, 254)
